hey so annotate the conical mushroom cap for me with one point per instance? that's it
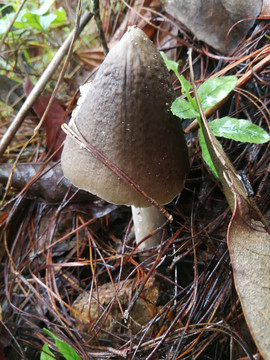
(125, 114)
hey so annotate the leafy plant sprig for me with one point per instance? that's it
(210, 93)
(35, 18)
(35, 24)
(66, 350)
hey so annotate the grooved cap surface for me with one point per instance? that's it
(125, 114)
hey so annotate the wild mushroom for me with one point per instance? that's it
(124, 113)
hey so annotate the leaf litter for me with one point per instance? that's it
(54, 254)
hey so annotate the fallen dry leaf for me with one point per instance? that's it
(248, 241)
(105, 301)
(52, 122)
(249, 246)
(210, 21)
(91, 57)
(48, 183)
(44, 181)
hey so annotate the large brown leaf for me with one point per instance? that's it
(53, 120)
(43, 181)
(249, 244)
(47, 182)
(210, 21)
(111, 298)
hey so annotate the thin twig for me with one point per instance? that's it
(140, 289)
(99, 26)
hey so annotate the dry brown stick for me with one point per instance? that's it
(40, 85)
(60, 77)
(99, 26)
(241, 81)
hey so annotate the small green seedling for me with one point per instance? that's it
(210, 93)
(66, 350)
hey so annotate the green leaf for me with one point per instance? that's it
(5, 21)
(46, 353)
(183, 109)
(239, 130)
(46, 20)
(32, 19)
(60, 18)
(206, 156)
(44, 7)
(214, 90)
(171, 65)
(26, 19)
(186, 86)
(66, 350)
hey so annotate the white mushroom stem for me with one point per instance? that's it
(145, 221)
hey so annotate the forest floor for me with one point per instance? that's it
(68, 258)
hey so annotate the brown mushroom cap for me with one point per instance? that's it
(125, 114)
